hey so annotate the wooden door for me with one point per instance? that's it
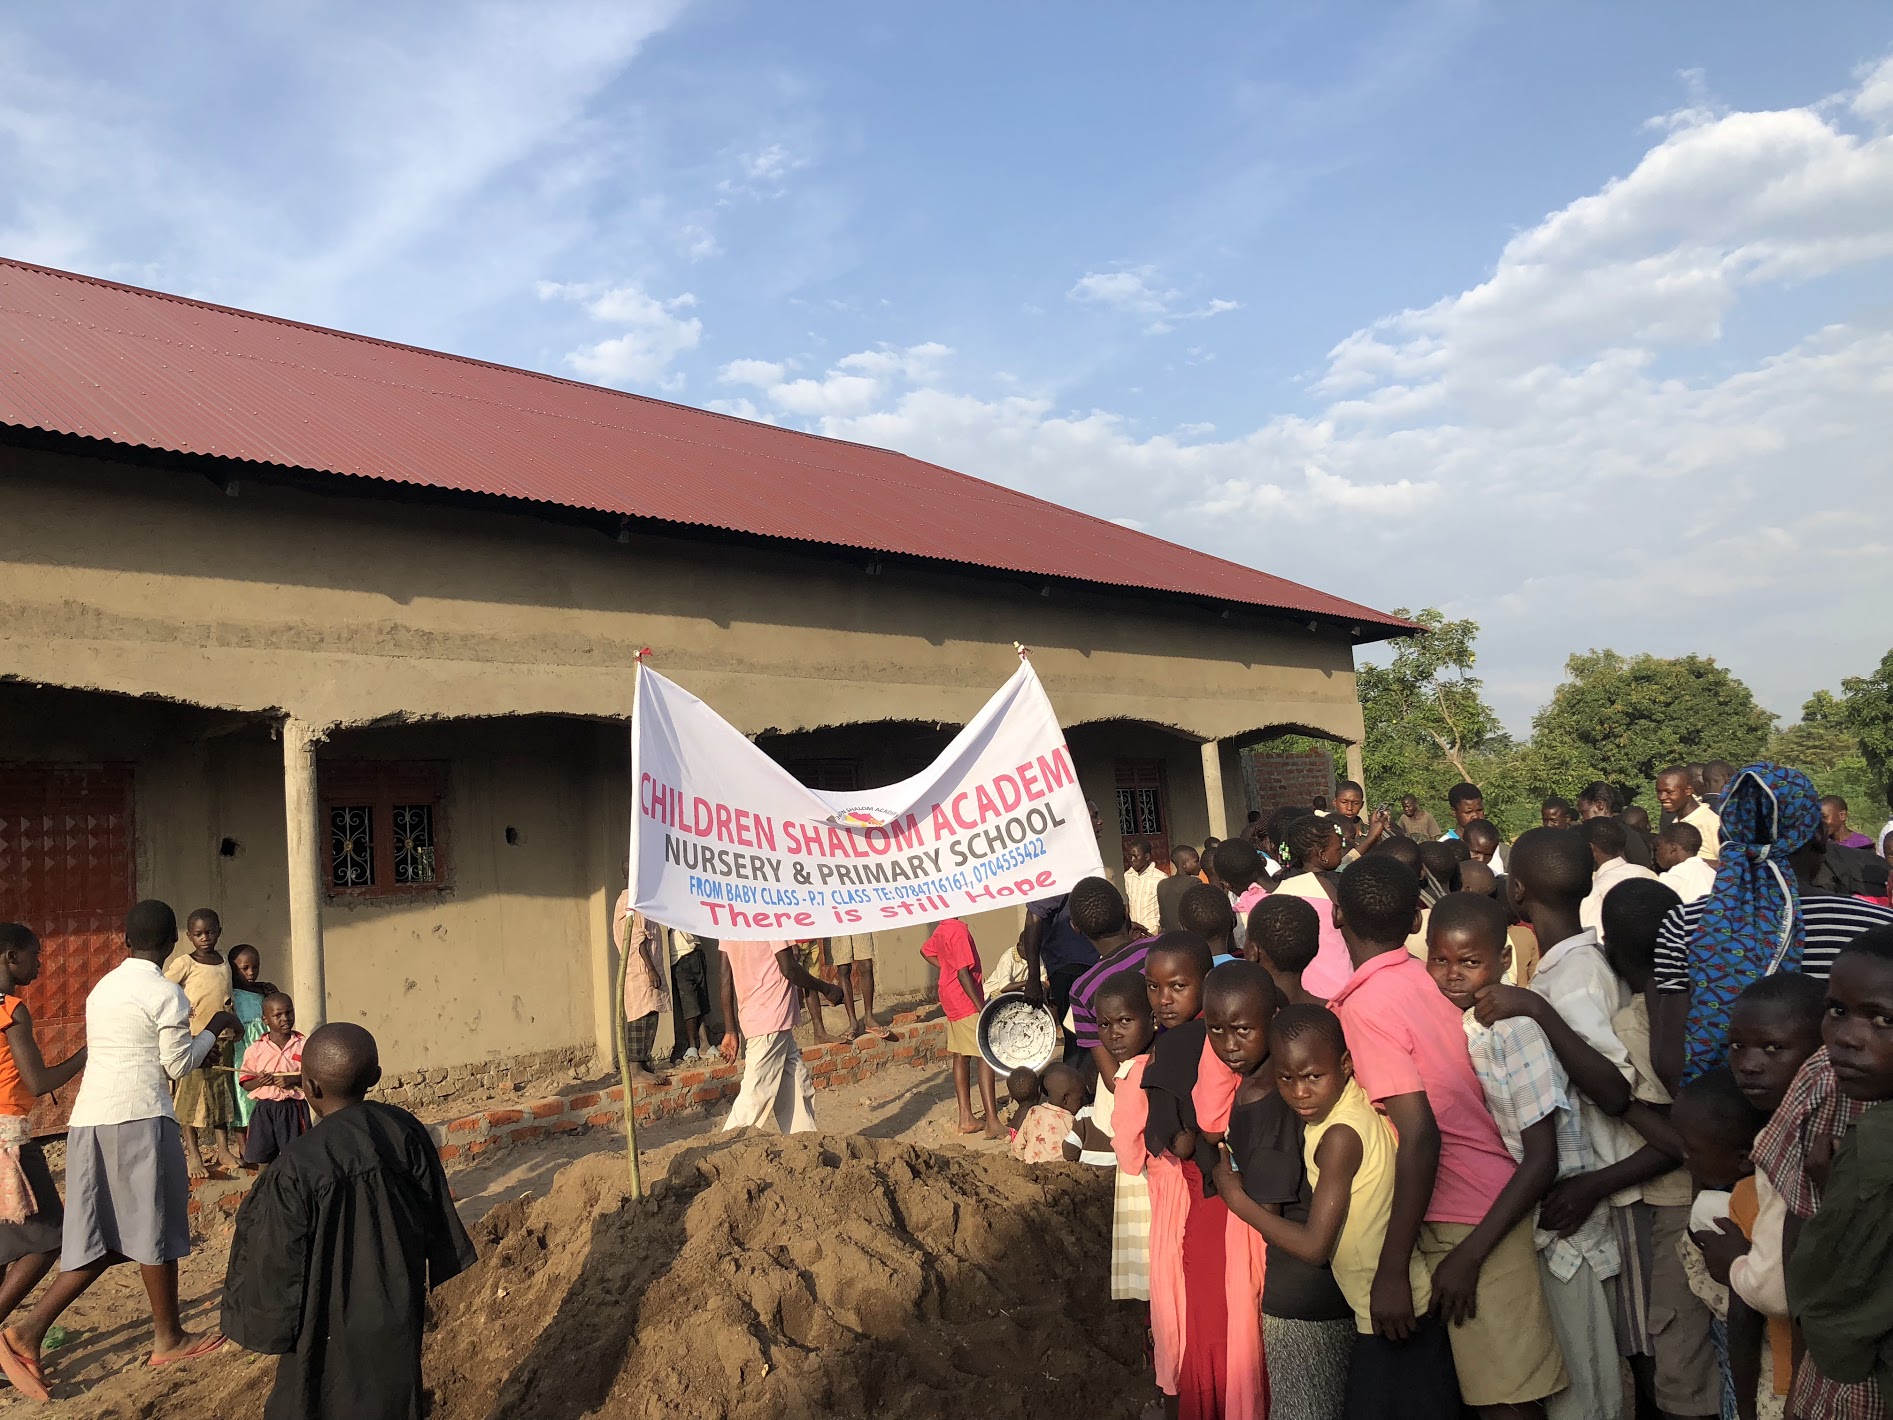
(66, 871)
(1143, 807)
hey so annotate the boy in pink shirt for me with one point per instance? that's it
(271, 1071)
(1453, 1176)
(760, 980)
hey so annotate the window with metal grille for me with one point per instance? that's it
(385, 827)
(831, 776)
(1143, 805)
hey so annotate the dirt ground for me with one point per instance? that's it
(542, 1084)
(942, 1216)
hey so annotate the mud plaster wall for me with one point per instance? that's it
(343, 610)
(152, 583)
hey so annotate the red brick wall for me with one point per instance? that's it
(1273, 780)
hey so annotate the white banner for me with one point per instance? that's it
(726, 843)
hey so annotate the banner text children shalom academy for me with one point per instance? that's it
(725, 842)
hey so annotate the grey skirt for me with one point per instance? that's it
(126, 1193)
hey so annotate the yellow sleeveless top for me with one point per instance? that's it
(1370, 1204)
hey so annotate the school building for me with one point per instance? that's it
(337, 636)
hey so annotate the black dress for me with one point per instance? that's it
(334, 1253)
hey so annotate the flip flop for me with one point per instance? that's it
(205, 1345)
(24, 1371)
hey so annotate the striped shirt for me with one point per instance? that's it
(1829, 922)
(1084, 1020)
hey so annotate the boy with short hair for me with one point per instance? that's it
(1677, 854)
(962, 994)
(1680, 804)
(1283, 936)
(1097, 911)
(1206, 913)
(1142, 878)
(1774, 1026)
(1717, 1124)
(272, 1072)
(1189, 867)
(1552, 871)
(1840, 1277)
(338, 1245)
(1408, 1046)
(1351, 1162)
(1681, 1376)
(1535, 1108)
(1415, 822)
(1482, 840)
(760, 980)
(1608, 840)
(1467, 801)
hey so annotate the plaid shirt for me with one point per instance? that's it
(1524, 1084)
(1813, 1108)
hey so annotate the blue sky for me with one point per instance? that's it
(1571, 319)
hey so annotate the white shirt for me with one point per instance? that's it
(1617, 870)
(1690, 879)
(138, 1039)
(1574, 977)
(1140, 895)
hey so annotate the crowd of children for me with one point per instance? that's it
(1581, 1125)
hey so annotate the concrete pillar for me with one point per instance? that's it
(1217, 800)
(1354, 768)
(610, 841)
(302, 813)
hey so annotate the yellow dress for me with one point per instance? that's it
(1370, 1204)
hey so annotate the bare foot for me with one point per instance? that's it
(640, 1075)
(995, 1130)
(232, 1159)
(969, 1125)
(194, 1165)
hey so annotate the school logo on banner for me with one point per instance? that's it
(726, 843)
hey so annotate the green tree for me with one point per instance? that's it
(1625, 719)
(1868, 711)
(1823, 746)
(1427, 723)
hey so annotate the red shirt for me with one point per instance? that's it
(951, 947)
(1406, 1038)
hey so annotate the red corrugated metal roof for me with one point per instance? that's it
(95, 359)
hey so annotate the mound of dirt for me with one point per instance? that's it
(804, 1277)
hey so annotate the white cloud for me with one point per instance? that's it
(1565, 451)
(764, 172)
(655, 333)
(1873, 100)
(1140, 291)
(852, 386)
(395, 133)
(760, 373)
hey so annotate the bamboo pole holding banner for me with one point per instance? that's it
(617, 1006)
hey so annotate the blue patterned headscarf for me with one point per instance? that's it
(1750, 925)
